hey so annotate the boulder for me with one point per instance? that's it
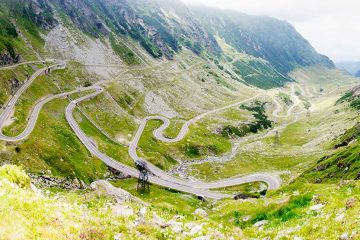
(159, 221)
(340, 217)
(176, 228)
(350, 203)
(122, 210)
(344, 236)
(142, 212)
(316, 207)
(119, 194)
(201, 212)
(261, 223)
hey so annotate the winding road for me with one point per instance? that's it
(157, 176)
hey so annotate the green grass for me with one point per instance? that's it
(259, 74)
(125, 53)
(21, 72)
(67, 79)
(235, 114)
(104, 112)
(163, 198)
(107, 146)
(344, 164)
(285, 98)
(198, 143)
(41, 87)
(248, 162)
(53, 146)
(251, 189)
(298, 134)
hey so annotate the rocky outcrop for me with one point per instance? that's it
(160, 27)
(14, 85)
(7, 59)
(46, 181)
(105, 188)
(40, 13)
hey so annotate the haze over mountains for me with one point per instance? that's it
(351, 67)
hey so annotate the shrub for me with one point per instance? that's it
(15, 175)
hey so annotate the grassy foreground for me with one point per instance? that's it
(297, 211)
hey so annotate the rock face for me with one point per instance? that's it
(316, 207)
(260, 223)
(40, 13)
(6, 59)
(201, 212)
(122, 210)
(14, 84)
(273, 40)
(159, 26)
(46, 181)
(104, 187)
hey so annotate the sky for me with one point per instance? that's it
(331, 26)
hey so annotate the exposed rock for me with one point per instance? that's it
(261, 223)
(61, 42)
(344, 236)
(159, 221)
(177, 228)
(195, 228)
(340, 217)
(45, 181)
(118, 236)
(123, 210)
(142, 212)
(154, 104)
(201, 212)
(14, 84)
(41, 14)
(203, 238)
(316, 207)
(350, 203)
(244, 196)
(115, 174)
(119, 194)
(7, 59)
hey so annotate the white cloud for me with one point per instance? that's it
(332, 26)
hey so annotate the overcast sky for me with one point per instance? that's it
(331, 26)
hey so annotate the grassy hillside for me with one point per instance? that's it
(291, 212)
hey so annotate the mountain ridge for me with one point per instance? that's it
(164, 28)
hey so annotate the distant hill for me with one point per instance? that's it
(357, 74)
(351, 67)
(268, 38)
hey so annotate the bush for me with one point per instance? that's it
(87, 84)
(15, 175)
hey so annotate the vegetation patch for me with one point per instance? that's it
(259, 74)
(123, 51)
(352, 99)
(342, 165)
(261, 119)
(285, 98)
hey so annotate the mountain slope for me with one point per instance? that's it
(160, 27)
(357, 74)
(273, 40)
(351, 67)
(164, 28)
